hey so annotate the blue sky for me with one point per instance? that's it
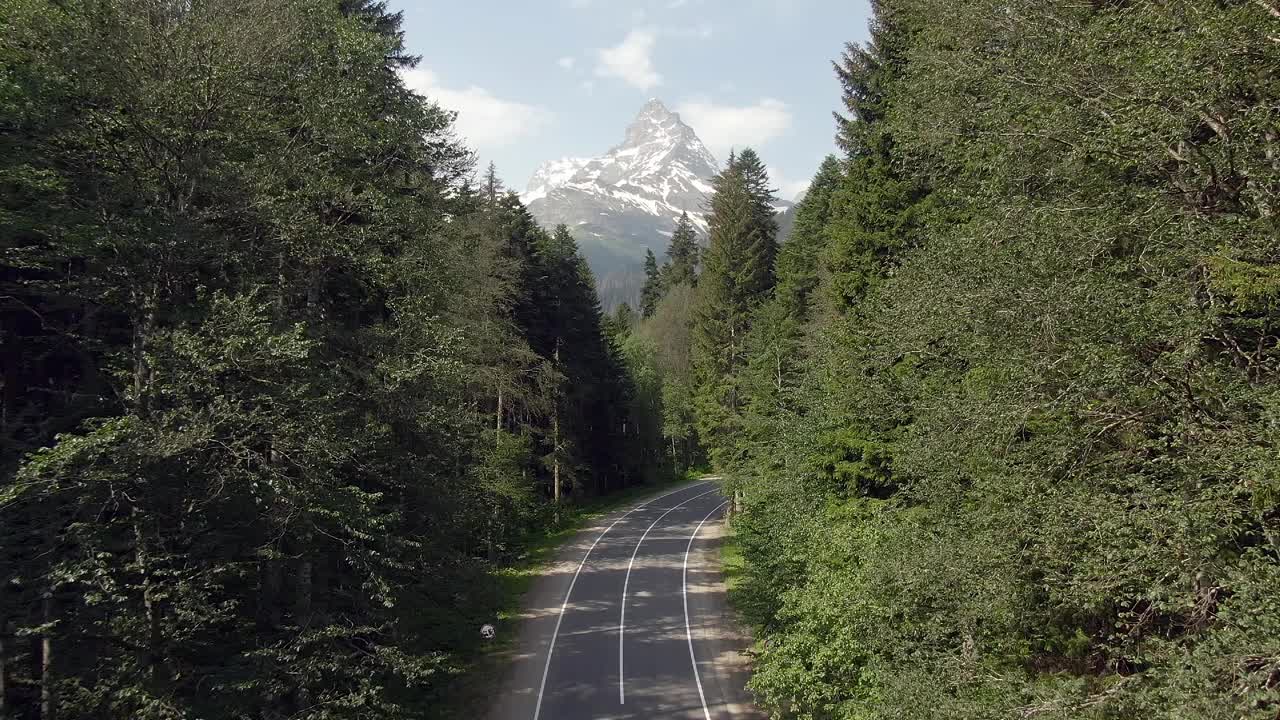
(545, 79)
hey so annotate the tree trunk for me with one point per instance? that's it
(155, 653)
(498, 423)
(555, 455)
(271, 617)
(47, 699)
(555, 435)
(302, 610)
(271, 583)
(303, 600)
(497, 443)
(314, 279)
(493, 532)
(141, 333)
(4, 669)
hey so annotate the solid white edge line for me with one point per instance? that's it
(622, 618)
(684, 590)
(537, 710)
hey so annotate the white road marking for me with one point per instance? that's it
(537, 710)
(622, 619)
(684, 590)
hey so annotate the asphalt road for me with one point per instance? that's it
(631, 622)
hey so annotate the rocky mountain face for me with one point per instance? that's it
(628, 199)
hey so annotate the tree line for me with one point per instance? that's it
(1002, 411)
(282, 382)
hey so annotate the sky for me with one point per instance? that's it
(537, 80)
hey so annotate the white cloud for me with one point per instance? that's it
(485, 120)
(787, 188)
(566, 62)
(687, 32)
(723, 127)
(631, 60)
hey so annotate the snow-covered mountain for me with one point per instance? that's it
(628, 199)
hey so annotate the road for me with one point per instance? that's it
(631, 621)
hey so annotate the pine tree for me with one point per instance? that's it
(492, 188)
(736, 278)
(622, 320)
(681, 267)
(878, 211)
(778, 350)
(587, 390)
(764, 248)
(669, 332)
(651, 293)
(387, 24)
(798, 265)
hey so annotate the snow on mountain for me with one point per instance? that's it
(627, 200)
(551, 174)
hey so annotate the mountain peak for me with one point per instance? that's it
(627, 200)
(654, 107)
(655, 123)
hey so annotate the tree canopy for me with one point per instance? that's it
(1013, 461)
(282, 386)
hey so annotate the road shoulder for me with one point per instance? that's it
(723, 640)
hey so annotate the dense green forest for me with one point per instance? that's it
(282, 383)
(285, 379)
(1003, 421)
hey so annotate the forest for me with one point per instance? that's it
(1005, 426)
(286, 377)
(283, 381)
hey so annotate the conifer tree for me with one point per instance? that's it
(798, 266)
(764, 248)
(587, 392)
(681, 267)
(652, 290)
(385, 23)
(779, 347)
(623, 319)
(736, 278)
(879, 210)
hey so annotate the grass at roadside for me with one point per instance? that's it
(472, 689)
(734, 565)
(743, 591)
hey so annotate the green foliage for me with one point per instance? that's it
(652, 290)
(1250, 288)
(681, 267)
(668, 333)
(798, 258)
(1022, 465)
(737, 276)
(278, 381)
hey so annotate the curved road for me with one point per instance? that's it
(631, 621)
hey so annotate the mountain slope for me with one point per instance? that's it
(627, 200)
